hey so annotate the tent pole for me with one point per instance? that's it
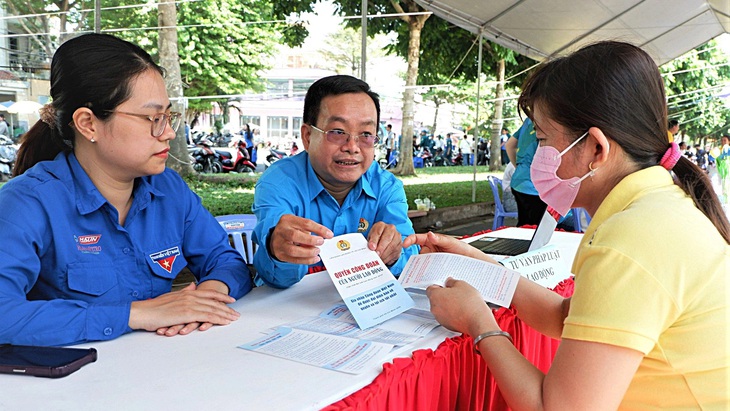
(364, 40)
(97, 16)
(476, 127)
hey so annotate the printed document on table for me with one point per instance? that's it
(332, 352)
(494, 282)
(365, 284)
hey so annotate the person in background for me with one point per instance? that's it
(646, 327)
(248, 139)
(466, 150)
(700, 157)
(332, 188)
(96, 227)
(448, 149)
(502, 146)
(482, 152)
(390, 141)
(521, 147)
(4, 129)
(672, 129)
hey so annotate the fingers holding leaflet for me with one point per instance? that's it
(459, 307)
(297, 240)
(386, 241)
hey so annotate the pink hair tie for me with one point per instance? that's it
(670, 157)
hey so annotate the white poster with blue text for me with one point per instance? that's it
(366, 285)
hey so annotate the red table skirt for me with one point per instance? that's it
(452, 377)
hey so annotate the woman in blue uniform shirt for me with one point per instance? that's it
(95, 228)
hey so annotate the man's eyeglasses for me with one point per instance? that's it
(158, 120)
(339, 137)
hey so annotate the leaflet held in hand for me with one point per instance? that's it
(365, 284)
(494, 282)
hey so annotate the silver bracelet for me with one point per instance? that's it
(489, 334)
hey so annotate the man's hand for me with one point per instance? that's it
(297, 240)
(385, 240)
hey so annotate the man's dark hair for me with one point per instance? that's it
(673, 123)
(389, 126)
(334, 86)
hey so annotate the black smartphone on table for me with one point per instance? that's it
(50, 362)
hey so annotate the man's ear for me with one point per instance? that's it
(600, 146)
(306, 132)
(85, 122)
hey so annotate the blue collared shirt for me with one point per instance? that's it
(69, 272)
(290, 186)
(526, 147)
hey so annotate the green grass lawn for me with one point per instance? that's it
(444, 186)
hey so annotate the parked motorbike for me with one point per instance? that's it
(274, 156)
(427, 157)
(242, 162)
(458, 159)
(7, 157)
(207, 160)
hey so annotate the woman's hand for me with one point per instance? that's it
(459, 307)
(439, 243)
(181, 312)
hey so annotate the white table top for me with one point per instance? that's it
(206, 370)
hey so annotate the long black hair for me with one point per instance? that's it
(93, 71)
(617, 87)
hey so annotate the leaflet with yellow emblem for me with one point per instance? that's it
(366, 285)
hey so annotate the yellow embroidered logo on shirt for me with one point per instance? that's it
(363, 225)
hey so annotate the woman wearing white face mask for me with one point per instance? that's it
(646, 328)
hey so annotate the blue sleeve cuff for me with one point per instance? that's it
(274, 273)
(238, 281)
(107, 322)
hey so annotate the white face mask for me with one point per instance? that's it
(554, 191)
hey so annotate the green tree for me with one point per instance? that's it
(222, 45)
(693, 82)
(434, 48)
(341, 51)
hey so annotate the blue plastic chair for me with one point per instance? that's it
(240, 229)
(579, 214)
(499, 212)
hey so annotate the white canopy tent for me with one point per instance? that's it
(665, 29)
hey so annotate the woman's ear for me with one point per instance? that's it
(600, 146)
(86, 123)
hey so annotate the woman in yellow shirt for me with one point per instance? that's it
(647, 326)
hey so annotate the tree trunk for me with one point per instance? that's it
(169, 59)
(495, 147)
(405, 155)
(437, 102)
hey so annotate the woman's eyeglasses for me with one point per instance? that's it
(339, 137)
(158, 120)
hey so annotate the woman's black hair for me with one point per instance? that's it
(93, 71)
(617, 87)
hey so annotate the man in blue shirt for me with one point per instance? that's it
(333, 188)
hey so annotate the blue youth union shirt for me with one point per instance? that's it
(69, 272)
